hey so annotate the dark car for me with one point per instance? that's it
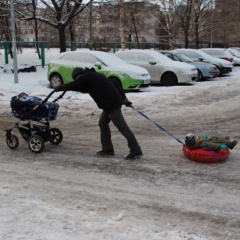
(219, 53)
(224, 66)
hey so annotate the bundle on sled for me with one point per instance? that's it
(207, 149)
(32, 109)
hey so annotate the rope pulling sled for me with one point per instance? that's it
(199, 154)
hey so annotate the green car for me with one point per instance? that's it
(131, 77)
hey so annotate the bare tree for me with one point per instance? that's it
(166, 21)
(136, 20)
(202, 22)
(56, 15)
(184, 12)
(5, 24)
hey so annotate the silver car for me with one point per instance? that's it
(162, 69)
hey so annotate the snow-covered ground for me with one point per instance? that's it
(165, 197)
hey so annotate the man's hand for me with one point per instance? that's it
(126, 102)
(56, 89)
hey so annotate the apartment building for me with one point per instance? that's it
(101, 23)
(227, 22)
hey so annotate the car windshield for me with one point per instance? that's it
(184, 57)
(109, 59)
(233, 52)
(161, 58)
(203, 54)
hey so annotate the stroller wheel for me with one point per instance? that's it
(36, 143)
(12, 141)
(55, 136)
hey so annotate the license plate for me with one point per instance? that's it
(146, 81)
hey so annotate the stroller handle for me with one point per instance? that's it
(50, 94)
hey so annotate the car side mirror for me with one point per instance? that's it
(200, 58)
(152, 62)
(98, 65)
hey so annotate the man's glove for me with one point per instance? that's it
(224, 147)
(126, 102)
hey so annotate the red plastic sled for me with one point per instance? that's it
(207, 156)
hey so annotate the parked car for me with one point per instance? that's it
(131, 77)
(235, 54)
(205, 70)
(236, 49)
(162, 69)
(222, 65)
(218, 53)
(236, 61)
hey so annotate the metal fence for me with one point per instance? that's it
(72, 46)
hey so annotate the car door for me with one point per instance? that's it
(146, 61)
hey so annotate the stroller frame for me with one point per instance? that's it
(35, 134)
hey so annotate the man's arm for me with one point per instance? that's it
(71, 86)
(118, 85)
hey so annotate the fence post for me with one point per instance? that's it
(6, 52)
(42, 54)
(154, 45)
(130, 45)
(143, 45)
(114, 47)
(72, 46)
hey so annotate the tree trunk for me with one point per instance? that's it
(196, 33)
(186, 40)
(36, 28)
(121, 25)
(62, 39)
(36, 38)
(170, 23)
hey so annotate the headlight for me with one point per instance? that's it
(134, 75)
(212, 68)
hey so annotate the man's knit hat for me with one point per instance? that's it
(190, 139)
(77, 71)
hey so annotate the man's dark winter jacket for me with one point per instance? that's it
(106, 95)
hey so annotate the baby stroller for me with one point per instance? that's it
(32, 109)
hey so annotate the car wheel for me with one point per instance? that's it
(199, 78)
(116, 82)
(169, 79)
(55, 80)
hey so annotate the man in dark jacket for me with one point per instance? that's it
(109, 97)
